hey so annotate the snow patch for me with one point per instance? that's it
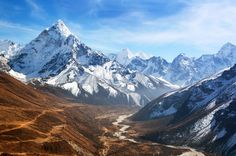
(203, 126)
(220, 134)
(18, 76)
(169, 111)
(131, 87)
(231, 142)
(72, 87)
(136, 97)
(90, 85)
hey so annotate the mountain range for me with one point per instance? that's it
(183, 70)
(58, 58)
(202, 115)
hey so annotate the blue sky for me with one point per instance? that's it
(157, 27)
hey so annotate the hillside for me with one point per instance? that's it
(33, 122)
(201, 115)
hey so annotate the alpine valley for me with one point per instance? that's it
(58, 96)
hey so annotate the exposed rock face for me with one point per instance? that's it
(202, 115)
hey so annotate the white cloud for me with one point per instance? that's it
(17, 32)
(36, 10)
(202, 23)
(5, 24)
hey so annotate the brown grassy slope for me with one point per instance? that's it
(32, 122)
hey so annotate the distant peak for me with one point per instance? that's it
(156, 58)
(226, 49)
(228, 44)
(126, 52)
(130, 54)
(61, 28)
(181, 55)
(60, 22)
(143, 55)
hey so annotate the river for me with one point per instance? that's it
(122, 135)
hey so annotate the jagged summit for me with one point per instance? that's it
(227, 48)
(126, 52)
(54, 46)
(58, 31)
(228, 44)
(181, 55)
(61, 28)
(182, 59)
(8, 48)
(124, 57)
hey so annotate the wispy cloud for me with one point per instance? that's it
(36, 10)
(151, 25)
(206, 24)
(5, 24)
(17, 32)
(95, 5)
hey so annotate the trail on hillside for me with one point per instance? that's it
(28, 125)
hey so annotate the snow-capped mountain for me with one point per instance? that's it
(58, 58)
(52, 51)
(155, 66)
(208, 64)
(4, 63)
(183, 70)
(201, 115)
(126, 56)
(7, 50)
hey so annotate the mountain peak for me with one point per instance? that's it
(227, 50)
(59, 21)
(228, 44)
(181, 56)
(127, 52)
(124, 57)
(156, 59)
(60, 27)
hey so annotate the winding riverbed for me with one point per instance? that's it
(121, 134)
(123, 128)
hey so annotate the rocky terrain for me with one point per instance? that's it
(200, 116)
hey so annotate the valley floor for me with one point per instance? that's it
(118, 139)
(75, 129)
